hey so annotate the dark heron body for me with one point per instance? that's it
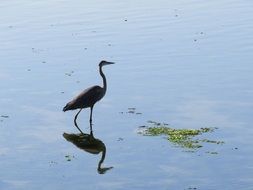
(89, 96)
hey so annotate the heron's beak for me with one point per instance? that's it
(109, 63)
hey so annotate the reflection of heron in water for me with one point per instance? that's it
(90, 144)
(88, 97)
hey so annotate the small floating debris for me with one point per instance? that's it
(4, 116)
(154, 122)
(192, 188)
(213, 141)
(52, 163)
(208, 152)
(37, 50)
(69, 157)
(69, 73)
(131, 110)
(120, 139)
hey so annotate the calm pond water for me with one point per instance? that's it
(186, 63)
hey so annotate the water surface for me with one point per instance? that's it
(185, 63)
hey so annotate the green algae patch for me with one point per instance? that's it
(184, 138)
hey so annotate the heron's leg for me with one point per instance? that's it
(75, 121)
(91, 131)
(91, 109)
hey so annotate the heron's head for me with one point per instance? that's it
(102, 63)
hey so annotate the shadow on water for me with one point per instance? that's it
(89, 144)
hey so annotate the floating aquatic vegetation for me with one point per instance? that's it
(184, 138)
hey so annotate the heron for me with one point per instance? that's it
(89, 96)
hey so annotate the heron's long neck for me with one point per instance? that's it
(104, 79)
(102, 158)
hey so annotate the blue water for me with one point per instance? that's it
(186, 63)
